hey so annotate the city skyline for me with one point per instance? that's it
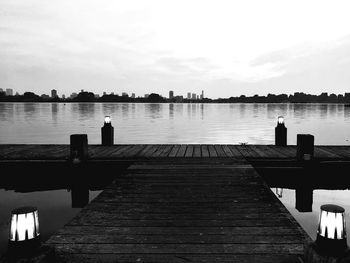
(226, 48)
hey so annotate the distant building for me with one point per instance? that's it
(112, 93)
(171, 94)
(54, 93)
(197, 97)
(146, 96)
(17, 94)
(73, 95)
(133, 95)
(104, 93)
(9, 92)
(202, 95)
(189, 95)
(1, 90)
(194, 96)
(82, 90)
(45, 96)
(124, 94)
(63, 96)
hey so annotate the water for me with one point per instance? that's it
(54, 208)
(309, 220)
(52, 123)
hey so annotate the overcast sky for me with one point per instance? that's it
(226, 48)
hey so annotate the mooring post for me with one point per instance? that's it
(305, 147)
(280, 133)
(331, 243)
(78, 147)
(107, 132)
(80, 196)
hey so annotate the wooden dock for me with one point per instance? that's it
(180, 203)
(139, 151)
(197, 210)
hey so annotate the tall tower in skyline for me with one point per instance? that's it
(189, 95)
(171, 94)
(9, 92)
(54, 93)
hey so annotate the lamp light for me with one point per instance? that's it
(280, 132)
(280, 120)
(107, 119)
(107, 132)
(331, 233)
(24, 230)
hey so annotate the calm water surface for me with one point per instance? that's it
(172, 123)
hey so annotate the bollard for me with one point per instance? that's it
(107, 132)
(280, 133)
(80, 197)
(331, 244)
(78, 147)
(305, 147)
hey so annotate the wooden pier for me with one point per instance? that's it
(180, 203)
(139, 151)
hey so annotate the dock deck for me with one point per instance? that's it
(180, 203)
(141, 151)
(198, 210)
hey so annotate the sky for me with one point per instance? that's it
(226, 48)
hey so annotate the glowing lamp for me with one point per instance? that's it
(107, 132)
(107, 119)
(280, 120)
(280, 132)
(24, 230)
(331, 233)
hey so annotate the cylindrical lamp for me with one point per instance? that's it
(280, 132)
(107, 132)
(331, 233)
(24, 231)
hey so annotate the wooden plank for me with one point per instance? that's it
(166, 151)
(220, 151)
(189, 151)
(182, 151)
(205, 151)
(236, 153)
(174, 150)
(150, 151)
(212, 151)
(197, 151)
(176, 258)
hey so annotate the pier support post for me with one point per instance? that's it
(80, 197)
(305, 147)
(303, 199)
(280, 133)
(78, 147)
(107, 132)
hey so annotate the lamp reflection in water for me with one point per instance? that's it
(331, 233)
(279, 192)
(24, 230)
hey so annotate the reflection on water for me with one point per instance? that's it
(172, 123)
(303, 191)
